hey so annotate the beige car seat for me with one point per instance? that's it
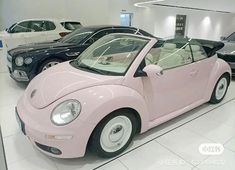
(197, 52)
(169, 57)
(149, 59)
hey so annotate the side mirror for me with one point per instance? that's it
(72, 54)
(222, 38)
(153, 70)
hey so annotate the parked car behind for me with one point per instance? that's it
(228, 52)
(25, 62)
(37, 30)
(121, 85)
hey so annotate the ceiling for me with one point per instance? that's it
(219, 5)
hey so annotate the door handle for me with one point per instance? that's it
(193, 73)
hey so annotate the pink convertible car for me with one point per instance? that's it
(121, 85)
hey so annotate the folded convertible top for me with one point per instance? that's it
(210, 46)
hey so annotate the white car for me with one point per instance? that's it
(36, 30)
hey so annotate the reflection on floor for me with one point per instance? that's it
(172, 145)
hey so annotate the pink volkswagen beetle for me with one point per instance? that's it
(121, 85)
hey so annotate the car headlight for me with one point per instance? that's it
(28, 60)
(66, 112)
(19, 61)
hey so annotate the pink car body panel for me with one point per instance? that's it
(178, 91)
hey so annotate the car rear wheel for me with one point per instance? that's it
(113, 135)
(220, 89)
(48, 64)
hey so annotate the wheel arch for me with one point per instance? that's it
(39, 64)
(129, 109)
(102, 100)
(220, 68)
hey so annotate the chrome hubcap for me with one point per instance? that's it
(116, 134)
(221, 88)
(49, 65)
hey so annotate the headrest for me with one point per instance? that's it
(169, 46)
(195, 48)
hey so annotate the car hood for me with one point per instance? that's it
(62, 80)
(3, 33)
(39, 47)
(229, 48)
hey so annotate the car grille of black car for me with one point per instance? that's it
(227, 58)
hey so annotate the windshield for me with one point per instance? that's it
(111, 55)
(231, 37)
(77, 36)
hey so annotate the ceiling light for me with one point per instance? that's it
(141, 4)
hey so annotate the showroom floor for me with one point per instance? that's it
(172, 145)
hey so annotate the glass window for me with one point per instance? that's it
(77, 36)
(172, 53)
(197, 50)
(71, 25)
(111, 55)
(231, 37)
(124, 30)
(38, 26)
(99, 35)
(50, 26)
(20, 27)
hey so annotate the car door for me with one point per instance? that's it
(38, 33)
(200, 69)
(173, 90)
(16, 34)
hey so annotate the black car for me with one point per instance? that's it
(228, 52)
(25, 62)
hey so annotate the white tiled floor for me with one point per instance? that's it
(170, 146)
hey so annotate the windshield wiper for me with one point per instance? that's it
(83, 66)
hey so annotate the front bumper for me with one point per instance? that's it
(16, 74)
(55, 141)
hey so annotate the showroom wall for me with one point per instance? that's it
(82, 10)
(208, 25)
(159, 21)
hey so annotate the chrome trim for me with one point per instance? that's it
(19, 75)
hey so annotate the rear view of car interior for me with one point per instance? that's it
(117, 85)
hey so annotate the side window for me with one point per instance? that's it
(99, 35)
(71, 25)
(38, 26)
(20, 27)
(197, 51)
(171, 54)
(124, 30)
(50, 26)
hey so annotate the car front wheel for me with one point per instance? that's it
(220, 89)
(113, 135)
(48, 64)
